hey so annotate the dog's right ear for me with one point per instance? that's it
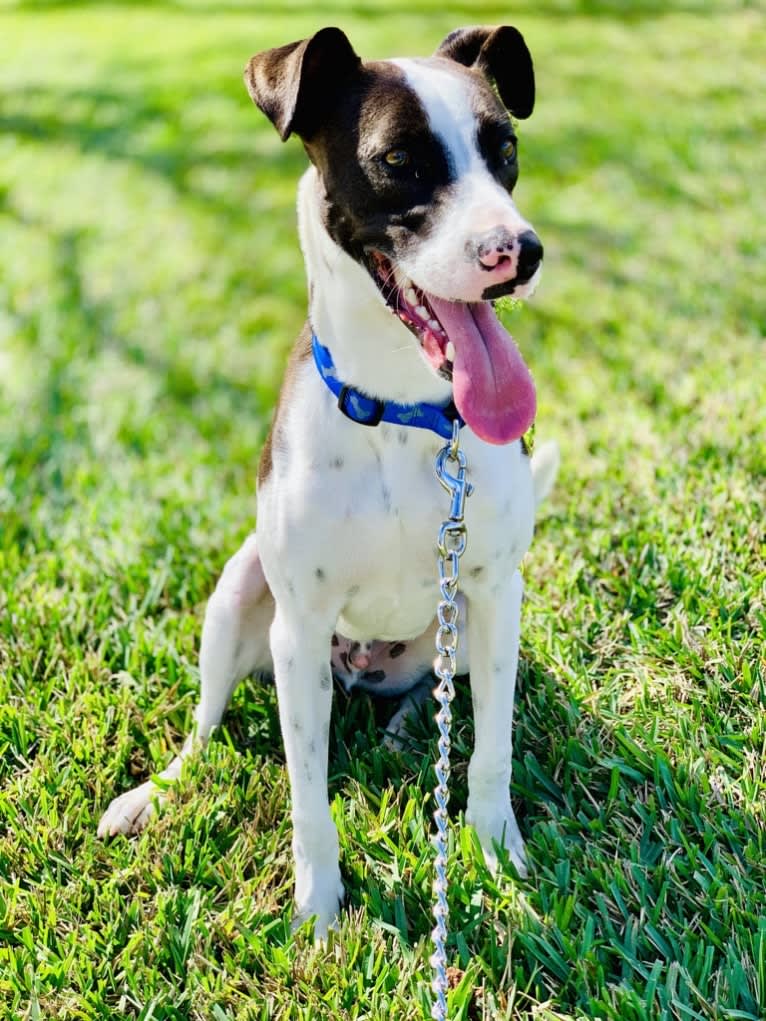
(295, 84)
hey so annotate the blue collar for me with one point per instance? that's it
(370, 411)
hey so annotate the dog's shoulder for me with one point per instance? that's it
(299, 355)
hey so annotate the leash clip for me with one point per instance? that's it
(456, 485)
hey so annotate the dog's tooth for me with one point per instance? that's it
(410, 295)
(422, 311)
(433, 325)
(450, 351)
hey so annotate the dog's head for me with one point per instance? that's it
(418, 161)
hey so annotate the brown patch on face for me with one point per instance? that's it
(300, 353)
(369, 202)
(493, 123)
(494, 129)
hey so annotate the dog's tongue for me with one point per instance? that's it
(492, 387)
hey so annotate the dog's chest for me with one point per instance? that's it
(354, 514)
(390, 517)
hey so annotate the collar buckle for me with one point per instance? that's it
(359, 415)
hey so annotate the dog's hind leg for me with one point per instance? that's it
(235, 643)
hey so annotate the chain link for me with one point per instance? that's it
(451, 546)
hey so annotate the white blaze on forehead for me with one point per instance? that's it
(476, 202)
(446, 98)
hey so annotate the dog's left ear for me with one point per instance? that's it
(502, 55)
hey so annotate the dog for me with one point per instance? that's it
(409, 232)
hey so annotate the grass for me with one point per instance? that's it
(150, 285)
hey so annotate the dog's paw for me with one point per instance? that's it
(130, 812)
(322, 902)
(399, 736)
(499, 829)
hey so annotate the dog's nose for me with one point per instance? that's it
(519, 254)
(493, 248)
(530, 255)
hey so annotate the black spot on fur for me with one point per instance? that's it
(476, 572)
(319, 574)
(337, 462)
(402, 437)
(374, 676)
(335, 641)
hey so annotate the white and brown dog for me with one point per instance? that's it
(409, 231)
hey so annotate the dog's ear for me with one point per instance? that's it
(502, 55)
(294, 84)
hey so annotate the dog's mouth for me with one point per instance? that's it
(413, 307)
(465, 343)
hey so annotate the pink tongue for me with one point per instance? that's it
(491, 385)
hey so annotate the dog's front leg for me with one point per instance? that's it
(493, 627)
(301, 654)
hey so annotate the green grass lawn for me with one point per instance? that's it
(150, 286)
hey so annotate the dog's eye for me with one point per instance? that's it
(508, 150)
(397, 157)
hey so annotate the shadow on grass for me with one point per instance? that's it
(115, 122)
(39, 444)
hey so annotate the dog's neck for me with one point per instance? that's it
(372, 350)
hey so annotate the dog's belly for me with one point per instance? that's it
(390, 616)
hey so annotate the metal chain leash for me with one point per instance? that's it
(451, 545)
